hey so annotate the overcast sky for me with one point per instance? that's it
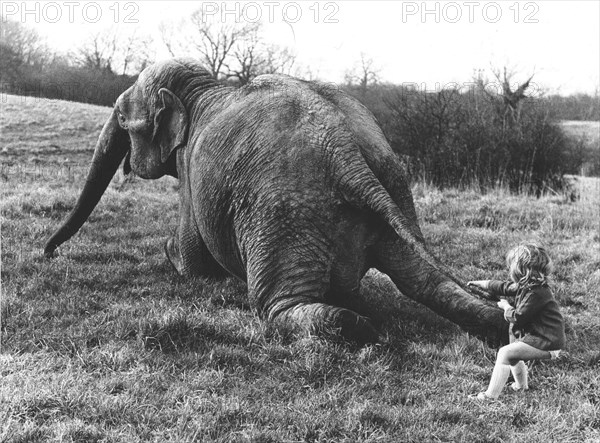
(429, 43)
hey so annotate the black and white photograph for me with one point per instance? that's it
(300, 221)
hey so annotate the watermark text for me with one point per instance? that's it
(254, 12)
(69, 12)
(469, 12)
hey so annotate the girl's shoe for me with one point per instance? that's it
(514, 387)
(482, 396)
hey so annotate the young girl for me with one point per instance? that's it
(537, 330)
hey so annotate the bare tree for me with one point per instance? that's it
(306, 72)
(363, 74)
(21, 46)
(170, 33)
(98, 50)
(246, 57)
(135, 52)
(252, 57)
(215, 41)
(512, 98)
(116, 51)
(278, 60)
(231, 51)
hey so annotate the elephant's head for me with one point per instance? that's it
(150, 123)
(155, 119)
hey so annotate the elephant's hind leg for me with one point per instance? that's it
(292, 291)
(293, 273)
(321, 317)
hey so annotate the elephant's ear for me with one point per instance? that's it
(170, 124)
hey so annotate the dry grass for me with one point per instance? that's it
(588, 130)
(106, 343)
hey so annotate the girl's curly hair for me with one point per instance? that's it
(529, 264)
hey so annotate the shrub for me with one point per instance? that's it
(464, 138)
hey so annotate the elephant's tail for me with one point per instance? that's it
(426, 279)
(360, 187)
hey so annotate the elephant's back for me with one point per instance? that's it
(324, 108)
(260, 159)
(277, 121)
(261, 169)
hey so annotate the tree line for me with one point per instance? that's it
(491, 132)
(108, 61)
(475, 136)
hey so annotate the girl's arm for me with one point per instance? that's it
(530, 305)
(502, 288)
(495, 288)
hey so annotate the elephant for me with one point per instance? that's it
(288, 185)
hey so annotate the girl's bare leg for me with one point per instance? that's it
(511, 355)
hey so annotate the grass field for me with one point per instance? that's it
(106, 343)
(588, 130)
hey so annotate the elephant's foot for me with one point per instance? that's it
(321, 317)
(173, 255)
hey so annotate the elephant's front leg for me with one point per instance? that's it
(188, 253)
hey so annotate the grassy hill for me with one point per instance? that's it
(106, 343)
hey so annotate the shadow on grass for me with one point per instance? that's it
(105, 256)
(398, 317)
(177, 335)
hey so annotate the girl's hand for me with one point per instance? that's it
(503, 304)
(482, 284)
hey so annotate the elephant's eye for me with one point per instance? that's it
(121, 118)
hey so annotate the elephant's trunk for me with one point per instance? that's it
(111, 148)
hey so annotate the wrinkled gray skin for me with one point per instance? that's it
(288, 185)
